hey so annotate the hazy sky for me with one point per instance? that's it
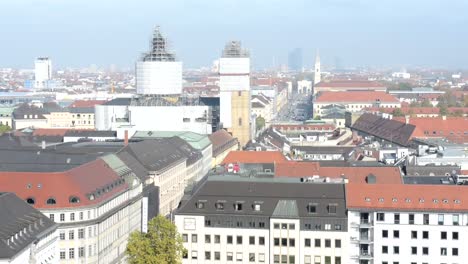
(359, 32)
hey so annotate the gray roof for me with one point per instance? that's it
(429, 180)
(281, 196)
(286, 209)
(90, 133)
(17, 217)
(18, 155)
(387, 129)
(119, 101)
(324, 149)
(440, 170)
(155, 154)
(82, 110)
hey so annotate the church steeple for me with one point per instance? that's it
(317, 72)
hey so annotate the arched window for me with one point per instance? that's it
(30, 200)
(51, 201)
(74, 199)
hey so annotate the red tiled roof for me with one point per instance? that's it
(356, 96)
(87, 103)
(79, 182)
(310, 127)
(416, 110)
(349, 84)
(254, 157)
(412, 197)
(453, 128)
(384, 175)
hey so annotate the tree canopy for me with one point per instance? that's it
(4, 128)
(260, 122)
(160, 245)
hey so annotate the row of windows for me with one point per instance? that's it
(72, 216)
(318, 243)
(71, 234)
(71, 253)
(318, 260)
(51, 200)
(425, 234)
(229, 239)
(426, 221)
(230, 256)
(414, 251)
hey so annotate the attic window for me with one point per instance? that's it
(421, 200)
(312, 208)
(257, 207)
(408, 200)
(91, 197)
(51, 201)
(30, 200)
(456, 201)
(394, 200)
(200, 205)
(332, 208)
(445, 201)
(219, 206)
(381, 200)
(435, 201)
(238, 206)
(74, 199)
(367, 199)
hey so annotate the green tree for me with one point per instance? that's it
(426, 103)
(317, 117)
(398, 112)
(260, 122)
(4, 128)
(160, 245)
(443, 111)
(458, 113)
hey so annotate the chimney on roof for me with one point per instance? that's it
(444, 117)
(126, 138)
(407, 119)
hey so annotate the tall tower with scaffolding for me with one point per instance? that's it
(234, 82)
(158, 72)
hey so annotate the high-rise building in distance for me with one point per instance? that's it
(42, 72)
(295, 60)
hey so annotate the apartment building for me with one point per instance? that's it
(26, 235)
(354, 101)
(97, 205)
(407, 224)
(249, 222)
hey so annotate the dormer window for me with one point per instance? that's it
(74, 199)
(408, 200)
(200, 205)
(445, 201)
(456, 201)
(30, 200)
(238, 206)
(367, 199)
(332, 208)
(312, 208)
(381, 200)
(219, 206)
(394, 200)
(435, 201)
(421, 200)
(51, 201)
(257, 207)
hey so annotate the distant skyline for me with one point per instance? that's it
(78, 33)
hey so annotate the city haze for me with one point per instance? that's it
(356, 33)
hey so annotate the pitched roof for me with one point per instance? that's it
(254, 157)
(296, 169)
(409, 197)
(93, 178)
(86, 103)
(221, 141)
(388, 129)
(356, 97)
(304, 127)
(285, 197)
(452, 128)
(349, 84)
(16, 217)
